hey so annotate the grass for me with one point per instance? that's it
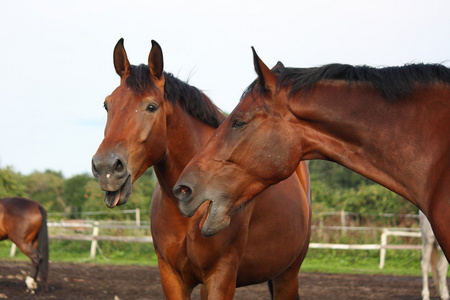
(398, 262)
(118, 253)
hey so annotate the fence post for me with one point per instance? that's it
(12, 252)
(138, 217)
(384, 236)
(94, 240)
(344, 229)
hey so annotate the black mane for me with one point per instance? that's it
(391, 82)
(191, 99)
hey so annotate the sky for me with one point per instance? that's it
(56, 65)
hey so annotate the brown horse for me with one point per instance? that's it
(24, 222)
(154, 119)
(391, 125)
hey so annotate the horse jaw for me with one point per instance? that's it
(215, 216)
(119, 197)
(215, 219)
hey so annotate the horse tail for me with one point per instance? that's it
(434, 260)
(43, 248)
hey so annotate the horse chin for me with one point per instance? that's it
(119, 197)
(214, 220)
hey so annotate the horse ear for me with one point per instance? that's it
(121, 63)
(155, 61)
(265, 75)
(279, 67)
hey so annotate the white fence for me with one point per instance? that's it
(96, 226)
(386, 232)
(79, 225)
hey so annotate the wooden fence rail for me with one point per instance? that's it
(95, 236)
(96, 226)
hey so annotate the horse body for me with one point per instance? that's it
(24, 222)
(252, 250)
(401, 145)
(390, 125)
(159, 127)
(413, 161)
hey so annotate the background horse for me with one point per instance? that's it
(156, 119)
(391, 125)
(432, 262)
(24, 222)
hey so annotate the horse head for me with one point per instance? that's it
(136, 117)
(246, 154)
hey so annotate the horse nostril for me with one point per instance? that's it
(183, 193)
(119, 166)
(110, 168)
(94, 169)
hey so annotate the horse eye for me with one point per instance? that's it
(238, 124)
(152, 108)
(105, 106)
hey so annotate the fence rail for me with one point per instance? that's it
(95, 236)
(386, 232)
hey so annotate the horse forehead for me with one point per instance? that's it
(124, 99)
(249, 105)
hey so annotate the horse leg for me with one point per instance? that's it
(442, 275)
(427, 248)
(438, 217)
(285, 285)
(35, 258)
(172, 284)
(270, 285)
(221, 282)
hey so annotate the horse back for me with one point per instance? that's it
(19, 217)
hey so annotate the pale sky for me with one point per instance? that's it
(56, 64)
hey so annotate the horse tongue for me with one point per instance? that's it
(112, 198)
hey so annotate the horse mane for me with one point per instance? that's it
(191, 99)
(391, 82)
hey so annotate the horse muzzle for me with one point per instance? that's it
(113, 177)
(216, 215)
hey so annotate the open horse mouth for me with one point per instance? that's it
(214, 220)
(215, 217)
(119, 197)
(217, 214)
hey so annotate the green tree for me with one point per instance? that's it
(95, 197)
(75, 193)
(336, 176)
(140, 197)
(11, 184)
(335, 187)
(47, 189)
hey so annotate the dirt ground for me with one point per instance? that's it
(86, 281)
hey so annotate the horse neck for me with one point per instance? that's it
(360, 130)
(185, 137)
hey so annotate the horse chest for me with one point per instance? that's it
(183, 251)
